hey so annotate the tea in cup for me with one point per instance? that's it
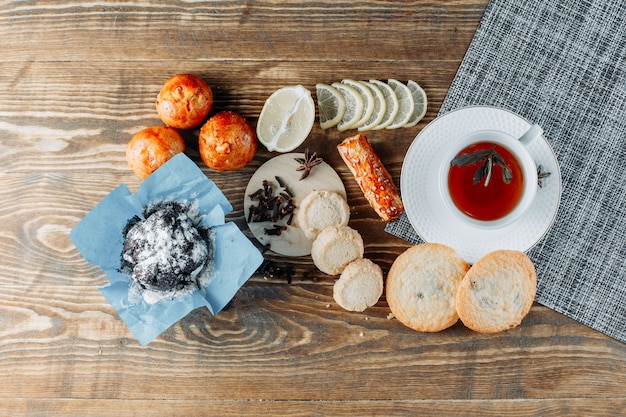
(489, 179)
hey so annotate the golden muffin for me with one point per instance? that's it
(152, 147)
(227, 142)
(184, 101)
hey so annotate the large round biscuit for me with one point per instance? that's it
(335, 247)
(320, 209)
(497, 292)
(359, 286)
(422, 285)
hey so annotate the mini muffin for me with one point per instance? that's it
(359, 286)
(227, 142)
(335, 247)
(319, 209)
(497, 292)
(184, 101)
(422, 285)
(152, 147)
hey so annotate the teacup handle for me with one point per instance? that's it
(531, 134)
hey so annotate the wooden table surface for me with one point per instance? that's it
(77, 80)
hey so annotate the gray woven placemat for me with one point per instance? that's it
(562, 64)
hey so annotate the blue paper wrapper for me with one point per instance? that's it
(99, 237)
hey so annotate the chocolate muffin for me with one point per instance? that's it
(166, 251)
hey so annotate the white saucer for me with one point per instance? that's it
(292, 241)
(429, 215)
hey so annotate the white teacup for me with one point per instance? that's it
(517, 147)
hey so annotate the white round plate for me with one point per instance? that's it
(292, 241)
(429, 215)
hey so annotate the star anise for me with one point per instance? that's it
(541, 175)
(307, 163)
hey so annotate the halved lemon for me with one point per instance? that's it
(379, 107)
(421, 103)
(286, 119)
(391, 104)
(330, 104)
(354, 106)
(405, 102)
(368, 100)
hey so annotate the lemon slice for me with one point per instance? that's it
(368, 100)
(379, 107)
(354, 106)
(286, 119)
(405, 101)
(421, 102)
(331, 105)
(391, 104)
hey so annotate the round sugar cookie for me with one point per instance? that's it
(497, 292)
(335, 247)
(359, 286)
(322, 208)
(422, 284)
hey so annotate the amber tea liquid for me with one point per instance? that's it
(486, 203)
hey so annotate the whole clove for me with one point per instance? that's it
(280, 181)
(275, 230)
(288, 192)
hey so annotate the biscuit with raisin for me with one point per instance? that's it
(422, 285)
(497, 292)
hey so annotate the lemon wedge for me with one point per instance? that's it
(331, 105)
(405, 104)
(368, 100)
(379, 107)
(354, 106)
(391, 104)
(286, 119)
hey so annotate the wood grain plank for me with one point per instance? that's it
(426, 408)
(72, 345)
(263, 30)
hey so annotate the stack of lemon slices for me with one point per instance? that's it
(370, 105)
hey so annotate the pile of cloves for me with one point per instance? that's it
(271, 270)
(272, 207)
